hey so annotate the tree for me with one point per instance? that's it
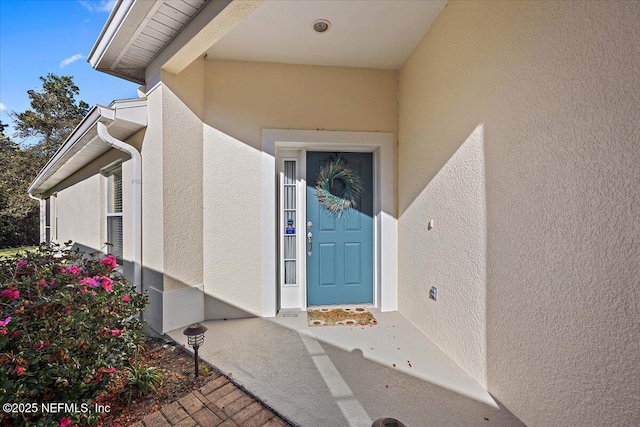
(19, 219)
(53, 114)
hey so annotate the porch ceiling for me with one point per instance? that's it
(143, 35)
(370, 34)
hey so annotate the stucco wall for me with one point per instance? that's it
(80, 213)
(152, 198)
(152, 210)
(172, 200)
(81, 206)
(242, 98)
(182, 104)
(518, 133)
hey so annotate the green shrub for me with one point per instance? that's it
(68, 323)
(141, 380)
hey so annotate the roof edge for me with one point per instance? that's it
(117, 110)
(116, 17)
(123, 22)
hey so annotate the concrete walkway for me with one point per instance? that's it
(219, 403)
(348, 376)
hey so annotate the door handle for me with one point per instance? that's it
(309, 243)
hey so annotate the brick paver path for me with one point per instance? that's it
(218, 403)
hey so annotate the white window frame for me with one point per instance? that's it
(55, 216)
(48, 237)
(289, 292)
(107, 172)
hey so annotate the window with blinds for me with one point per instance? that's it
(289, 217)
(114, 212)
(47, 220)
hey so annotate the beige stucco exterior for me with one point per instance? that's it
(205, 126)
(518, 135)
(516, 129)
(78, 211)
(182, 103)
(241, 99)
(76, 222)
(211, 168)
(152, 197)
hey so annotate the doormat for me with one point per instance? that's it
(340, 317)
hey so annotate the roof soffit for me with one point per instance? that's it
(124, 118)
(137, 31)
(170, 34)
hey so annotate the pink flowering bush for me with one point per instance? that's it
(68, 325)
(110, 262)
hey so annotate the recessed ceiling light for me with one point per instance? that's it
(321, 25)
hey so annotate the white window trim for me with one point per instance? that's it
(48, 218)
(281, 227)
(106, 171)
(385, 232)
(290, 293)
(55, 216)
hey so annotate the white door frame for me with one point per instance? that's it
(385, 243)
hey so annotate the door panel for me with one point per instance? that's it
(327, 222)
(353, 258)
(340, 266)
(327, 258)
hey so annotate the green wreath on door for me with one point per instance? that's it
(338, 187)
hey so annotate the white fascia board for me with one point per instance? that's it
(87, 123)
(129, 110)
(125, 18)
(132, 111)
(117, 16)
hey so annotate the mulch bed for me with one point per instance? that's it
(177, 368)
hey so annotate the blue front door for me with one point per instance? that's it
(340, 250)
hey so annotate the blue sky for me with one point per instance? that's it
(53, 36)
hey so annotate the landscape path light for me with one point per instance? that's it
(387, 422)
(195, 338)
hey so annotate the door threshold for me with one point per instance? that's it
(334, 306)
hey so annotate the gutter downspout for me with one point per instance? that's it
(136, 193)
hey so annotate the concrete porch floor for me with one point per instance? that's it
(345, 376)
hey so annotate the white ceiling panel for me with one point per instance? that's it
(373, 34)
